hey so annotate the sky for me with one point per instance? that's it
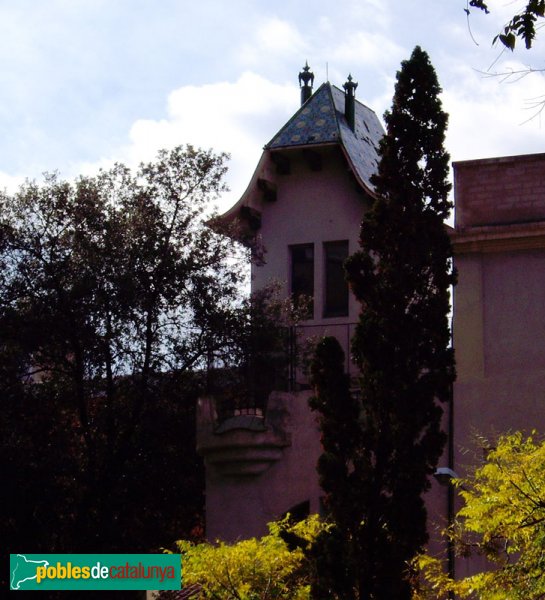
(86, 83)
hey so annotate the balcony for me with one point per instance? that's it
(243, 422)
(245, 442)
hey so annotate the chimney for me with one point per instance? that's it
(350, 102)
(306, 76)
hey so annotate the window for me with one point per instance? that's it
(336, 287)
(302, 275)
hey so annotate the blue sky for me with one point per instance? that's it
(85, 83)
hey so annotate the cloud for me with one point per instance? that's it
(274, 40)
(377, 12)
(10, 183)
(368, 48)
(489, 117)
(235, 117)
(88, 110)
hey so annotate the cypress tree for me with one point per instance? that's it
(402, 276)
(333, 551)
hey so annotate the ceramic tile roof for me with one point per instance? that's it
(321, 120)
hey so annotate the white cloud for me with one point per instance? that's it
(369, 11)
(68, 108)
(237, 118)
(368, 48)
(10, 183)
(274, 40)
(491, 118)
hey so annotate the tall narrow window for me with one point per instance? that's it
(302, 275)
(336, 287)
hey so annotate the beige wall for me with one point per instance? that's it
(499, 304)
(499, 336)
(312, 207)
(321, 208)
(499, 329)
(239, 505)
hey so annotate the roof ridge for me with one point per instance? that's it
(330, 87)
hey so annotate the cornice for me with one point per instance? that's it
(499, 238)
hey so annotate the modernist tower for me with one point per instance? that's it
(304, 205)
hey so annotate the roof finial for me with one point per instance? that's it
(306, 76)
(350, 102)
(350, 86)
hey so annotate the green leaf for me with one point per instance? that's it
(508, 40)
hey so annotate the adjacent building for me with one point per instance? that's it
(499, 302)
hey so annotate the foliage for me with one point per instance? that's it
(335, 551)
(113, 296)
(402, 276)
(523, 24)
(254, 569)
(503, 519)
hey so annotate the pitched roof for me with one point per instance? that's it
(321, 121)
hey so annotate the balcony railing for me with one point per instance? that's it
(244, 391)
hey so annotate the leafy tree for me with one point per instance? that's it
(523, 24)
(402, 276)
(503, 519)
(254, 569)
(113, 297)
(336, 551)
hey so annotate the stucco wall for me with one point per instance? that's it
(499, 302)
(499, 336)
(499, 305)
(321, 208)
(312, 207)
(241, 506)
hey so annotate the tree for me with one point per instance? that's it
(402, 276)
(523, 24)
(503, 519)
(254, 569)
(336, 552)
(114, 298)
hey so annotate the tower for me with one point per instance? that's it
(303, 206)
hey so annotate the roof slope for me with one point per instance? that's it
(321, 121)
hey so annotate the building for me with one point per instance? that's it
(499, 303)
(304, 204)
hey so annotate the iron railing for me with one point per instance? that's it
(244, 391)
